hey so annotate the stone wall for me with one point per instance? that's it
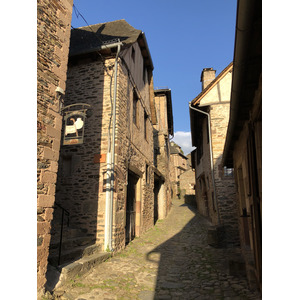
(179, 163)
(135, 150)
(162, 146)
(53, 33)
(225, 188)
(249, 189)
(81, 173)
(204, 185)
(187, 182)
(187, 186)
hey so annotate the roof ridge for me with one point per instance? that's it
(103, 23)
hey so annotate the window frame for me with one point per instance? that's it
(145, 126)
(135, 109)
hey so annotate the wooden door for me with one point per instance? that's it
(130, 207)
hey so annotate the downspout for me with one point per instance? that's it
(211, 157)
(111, 167)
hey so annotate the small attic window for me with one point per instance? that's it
(133, 54)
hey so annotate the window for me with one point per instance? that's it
(156, 152)
(144, 72)
(199, 150)
(145, 125)
(207, 133)
(228, 172)
(147, 174)
(135, 108)
(167, 146)
(133, 54)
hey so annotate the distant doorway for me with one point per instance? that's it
(157, 185)
(131, 207)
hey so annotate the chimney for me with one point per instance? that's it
(207, 76)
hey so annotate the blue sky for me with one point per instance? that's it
(183, 37)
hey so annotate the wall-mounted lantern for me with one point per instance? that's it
(74, 121)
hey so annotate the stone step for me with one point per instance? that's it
(65, 272)
(84, 264)
(71, 253)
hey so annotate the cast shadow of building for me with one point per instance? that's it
(186, 261)
(77, 217)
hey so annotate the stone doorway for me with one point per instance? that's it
(130, 228)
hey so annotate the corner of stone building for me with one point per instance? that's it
(54, 21)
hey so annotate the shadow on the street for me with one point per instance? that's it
(183, 258)
(178, 254)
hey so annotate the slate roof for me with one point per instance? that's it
(90, 38)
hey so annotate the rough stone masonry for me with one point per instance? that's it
(53, 33)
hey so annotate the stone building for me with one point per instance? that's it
(163, 129)
(215, 189)
(178, 166)
(187, 186)
(106, 173)
(187, 182)
(53, 33)
(243, 146)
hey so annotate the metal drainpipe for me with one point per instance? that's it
(111, 168)
(211, 157)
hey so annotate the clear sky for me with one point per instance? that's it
(183, 37)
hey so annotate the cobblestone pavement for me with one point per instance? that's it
(170, 261)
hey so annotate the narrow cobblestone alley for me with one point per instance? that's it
(170, 261)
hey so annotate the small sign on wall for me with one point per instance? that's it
(74, 121)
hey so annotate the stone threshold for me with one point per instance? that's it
(57, 276)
